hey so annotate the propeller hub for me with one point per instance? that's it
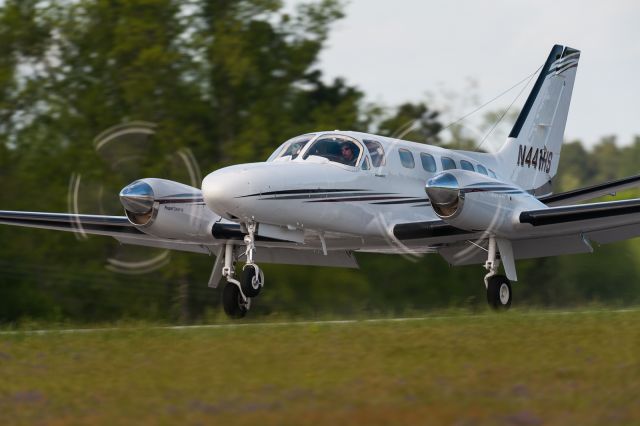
(138, 197)
(445, 195)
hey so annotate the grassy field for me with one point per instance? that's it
(518, 368)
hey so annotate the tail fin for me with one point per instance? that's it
(532, 151)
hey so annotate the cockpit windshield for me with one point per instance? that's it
(336, 148)
(291, 148)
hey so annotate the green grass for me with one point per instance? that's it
(518, 368)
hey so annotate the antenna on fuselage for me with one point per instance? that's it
(528, 79)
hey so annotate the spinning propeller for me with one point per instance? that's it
(128, 152)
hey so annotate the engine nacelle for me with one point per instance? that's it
(476, 202)
(168, 209)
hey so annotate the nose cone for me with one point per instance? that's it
(137, 197)
(445, 195)
(220, 190)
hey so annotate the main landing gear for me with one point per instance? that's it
(498, 286)
(236, 295)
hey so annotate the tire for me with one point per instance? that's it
(499, 294)
(250, 281)
(232, 302)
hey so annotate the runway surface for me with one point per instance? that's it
(305, 323)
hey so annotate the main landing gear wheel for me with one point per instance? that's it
(252, 280)
(233, 302)
(499, 292)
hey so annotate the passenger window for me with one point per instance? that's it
(406, 158)
(376, 152)
(466, 165)
(365, 164)
(482, 169)
(428, 162)
(493, 175)
(448, 163)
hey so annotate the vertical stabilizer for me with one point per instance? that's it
(530, 156)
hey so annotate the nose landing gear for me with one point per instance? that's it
(236, 295)
(252, 280)
(252, 275)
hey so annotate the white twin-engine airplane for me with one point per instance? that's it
(322, 196)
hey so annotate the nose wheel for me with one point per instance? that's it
(236, 295)
(252, 280)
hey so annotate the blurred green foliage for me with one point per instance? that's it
(229, 81)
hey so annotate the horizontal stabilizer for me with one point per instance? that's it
(591, 192)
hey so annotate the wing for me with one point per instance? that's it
(89, 224)
(546, 232)
(117, 227)
(603, 223)
(125, 232)
(591, 192)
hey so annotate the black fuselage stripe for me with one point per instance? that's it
(480, 184)
(300, 191)
(181, 201)
(309, 196)
(363, 198)
(413, 200)
(498, 189)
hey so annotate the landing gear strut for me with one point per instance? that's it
(252, 275)
(236, 295)
(498, 286)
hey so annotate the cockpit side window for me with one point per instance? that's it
(365, 164)
(275, 154)
(339, 149)
(293, 147)
(376, 152)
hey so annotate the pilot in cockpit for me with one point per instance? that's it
(296, 148)
(348, 156)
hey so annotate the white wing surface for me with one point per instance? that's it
(546, 232)
(125, 232)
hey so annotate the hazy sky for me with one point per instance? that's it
(399, 50)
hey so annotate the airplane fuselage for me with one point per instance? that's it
(321, 194)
